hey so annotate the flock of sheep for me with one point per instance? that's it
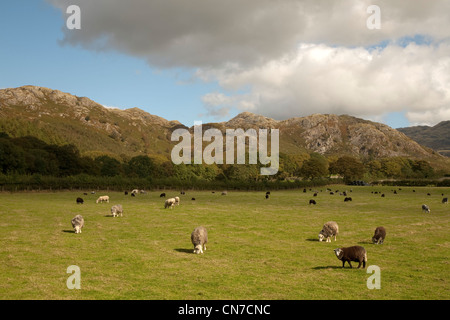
(199, 237)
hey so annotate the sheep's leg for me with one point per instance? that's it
(204, 247)
(350, 264)
(359, 265)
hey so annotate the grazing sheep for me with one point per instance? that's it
(199, 238)
(445, 201)
(304, 190)
(80, 201)
(117, 210)
(224, 193)
(425, 208)
(135, 191)
(78, 223)
(355, 253)
(268, 192)
(267, 196)
(133, 195)
(182, 192)
(169, 203)
(382, 195)
(177, 201)
(193, 199)
(312, 202)
(85, 193)
(380, 234)
(102, 199)
(126, 193)
(315, 194)
(162, 195)
(348, 199)
(329, 229)
(428, 194)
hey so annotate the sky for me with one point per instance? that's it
(209, 60)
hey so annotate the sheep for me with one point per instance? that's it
(78, 223)
(199, 238)
(80, 201)
(379, 236)
(425, 208)
(177, 201)
(169, 203)
(312, 201)
(102, 199)
(117, 210)
(445, 201)
(267, 196)
(193, 199)
(126, 193)
(329, 229)
(182, 192)
(135, 191)
(348, 199)
(133, 195)
(355, 253)
(224, 193)
(268, 192)
(315, 194)
(162, 195)
(382, 195)
(304, 190)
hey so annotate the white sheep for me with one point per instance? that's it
(169, 203)
(177, 201)
(199, 238)
(102, 199)
(135, 191)
(329, 229)
(224, 193)
(117, 210)
(78, 223)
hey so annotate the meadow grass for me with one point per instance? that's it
(258, 248)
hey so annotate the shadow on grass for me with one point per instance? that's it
(327, 267)
(69, 231)
(185, 250)
(365, 242)
(312, 239)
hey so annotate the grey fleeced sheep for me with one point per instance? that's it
(169, 203)
(199, 238)
(329, 229)
(355, 253)
(425, 208)
(379, 236)
(78, 223)
(117, 210)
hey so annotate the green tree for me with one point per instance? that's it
(348, 167)
(315, 167)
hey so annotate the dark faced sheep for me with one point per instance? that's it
(80, 201)
(348, 199)
(162, 195)
(445, 201)
(425, 208)
(312, 201)
(199, 238)
(379, 236)
(355, 253)
(267, 196)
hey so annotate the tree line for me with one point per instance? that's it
(31, 156)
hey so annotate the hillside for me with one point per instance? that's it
(436, 137)
(59, 118)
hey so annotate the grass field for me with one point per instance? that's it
(258, 248)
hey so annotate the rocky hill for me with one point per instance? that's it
(59, 118)
(437, 137)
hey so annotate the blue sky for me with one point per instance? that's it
(221, 69)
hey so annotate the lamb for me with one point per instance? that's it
(78, 223)
(312, 201)
(117, 210)
(267, 196)
(379, 236)
(355, 253)
(268, 192)
(135, 191)
(102, 199)
(162, 195)
(425, 208)
(199, 238)
(177, 201)
(348, 199)
(80, 201)
(329, 229)
(169, 203)
(445, 201)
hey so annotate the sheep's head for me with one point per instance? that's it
(338, 252)
(198, 249)
(77, 229)
(321, 236)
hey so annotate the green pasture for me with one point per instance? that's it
(258, 248)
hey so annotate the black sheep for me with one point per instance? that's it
(379, 236)
(80, 201)
(355, 253)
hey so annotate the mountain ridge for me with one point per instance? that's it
(60, 117)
